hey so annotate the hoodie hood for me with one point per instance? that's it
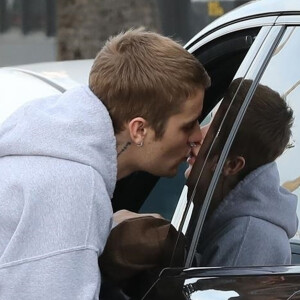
(73, 126)
(259, 195)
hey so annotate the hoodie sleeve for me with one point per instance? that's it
(248, 241)
(52, 253)
(70, 275)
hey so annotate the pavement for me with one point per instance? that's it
(17, 49)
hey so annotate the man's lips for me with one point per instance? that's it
(191, 160)
(192, 157)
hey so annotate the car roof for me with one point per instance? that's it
(20, 84)
(250, 10)
(65, 74)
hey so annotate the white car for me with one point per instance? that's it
(24, 83)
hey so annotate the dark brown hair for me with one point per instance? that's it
(266, 127)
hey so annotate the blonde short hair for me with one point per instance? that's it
(144, 74)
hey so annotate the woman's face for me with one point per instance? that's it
(195, 150)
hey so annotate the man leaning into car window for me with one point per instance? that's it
(251, 217)
(60, 158)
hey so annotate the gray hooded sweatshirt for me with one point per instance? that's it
(253, 223)
(58, 167)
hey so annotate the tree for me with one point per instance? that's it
(84, 25)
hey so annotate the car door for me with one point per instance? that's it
(270, 60)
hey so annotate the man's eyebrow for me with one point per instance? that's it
(196, 119)
(191, 122)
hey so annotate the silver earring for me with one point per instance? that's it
(193, 144)
(140, 144)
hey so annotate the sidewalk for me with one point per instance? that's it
(16, 48)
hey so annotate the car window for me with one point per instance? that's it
(283, 75)
(212, 181)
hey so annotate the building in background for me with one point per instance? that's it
(77, 29)
(28, 15)
(182, 19)
(178, 18)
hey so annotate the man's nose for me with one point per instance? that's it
(196, 136)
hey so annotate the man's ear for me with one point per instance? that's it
(233, 165)
(137, 130)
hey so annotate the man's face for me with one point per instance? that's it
(165, 155)
(195, 150)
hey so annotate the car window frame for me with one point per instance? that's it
(254, 72)
(228, 29)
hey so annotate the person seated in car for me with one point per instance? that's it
(251, 217)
